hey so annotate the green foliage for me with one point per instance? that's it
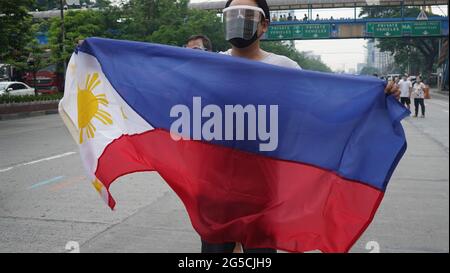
(28, 98)
(162, 21)
(195, 22)
(368, 70)
(292, 53)
(100, 3)
(78, 25)
(15, 29)
(159, 21)
(143, 17)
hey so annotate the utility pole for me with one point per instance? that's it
(31, 61)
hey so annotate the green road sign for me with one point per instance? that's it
(400, 29)
(426, 28)
(386, 29)
(280, 32)
(373, 29)
(305, 31)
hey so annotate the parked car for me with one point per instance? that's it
(15, 89)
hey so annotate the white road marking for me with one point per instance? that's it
(49, 158)
(4, 170)
(37, 161)
(440, 103)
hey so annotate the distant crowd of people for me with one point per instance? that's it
(289, 17)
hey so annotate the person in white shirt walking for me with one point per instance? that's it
(405, 86)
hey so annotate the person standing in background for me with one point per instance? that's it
(419, 96)
(200, 42)
(405, 91)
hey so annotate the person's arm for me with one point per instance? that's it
(392, 89)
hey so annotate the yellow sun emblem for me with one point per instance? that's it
(88, 107)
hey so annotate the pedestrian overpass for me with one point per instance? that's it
(218, 5)
(344, 28)
(358, 28)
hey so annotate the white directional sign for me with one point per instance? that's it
(73, 2)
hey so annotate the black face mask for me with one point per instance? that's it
(242, 43)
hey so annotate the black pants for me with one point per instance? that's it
(405, 101)
(418, 102)
(229, 247)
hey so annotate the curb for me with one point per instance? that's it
(28, 114)
(28, 109)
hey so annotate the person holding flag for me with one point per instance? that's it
(338, 137)
(246, 21)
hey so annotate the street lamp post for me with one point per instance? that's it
(32, 62)
(62, 47)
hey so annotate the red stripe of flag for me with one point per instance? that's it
(235, 196)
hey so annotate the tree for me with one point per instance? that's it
(78, 25)
(292, 53)
(102, 3)
(369, 70)
(15, 25)
(143, 17)
(159, 21)
(194, 22)
(414, 55)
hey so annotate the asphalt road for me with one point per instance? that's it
(46, 201)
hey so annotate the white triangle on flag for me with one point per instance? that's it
(422, 15)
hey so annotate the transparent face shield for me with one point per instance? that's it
(241, 21)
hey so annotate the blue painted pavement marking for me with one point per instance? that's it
(45, 182)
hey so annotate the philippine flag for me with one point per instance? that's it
(259, 154)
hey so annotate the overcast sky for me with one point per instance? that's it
(340, 54)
